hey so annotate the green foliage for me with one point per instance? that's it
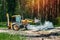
(58, 22)
(3, 24)
(58, 18)
(11, 4)
(3, 10)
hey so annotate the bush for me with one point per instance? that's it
(58, 21)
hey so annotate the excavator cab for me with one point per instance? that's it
(14, 22)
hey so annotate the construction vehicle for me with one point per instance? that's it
(15, 22)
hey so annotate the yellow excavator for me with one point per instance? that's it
(16, 22)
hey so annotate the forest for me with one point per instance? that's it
(41, 9)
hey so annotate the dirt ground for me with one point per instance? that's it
(51, 37)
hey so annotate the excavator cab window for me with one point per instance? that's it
(16, 18)
(13, 19)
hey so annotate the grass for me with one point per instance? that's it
(3, 25)
(6, 36)
(58, 25)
